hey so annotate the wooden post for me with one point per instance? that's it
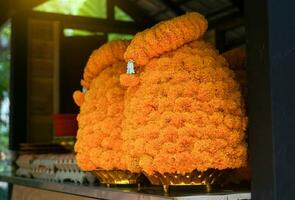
(18, 81)
(270, 27)
(110, 10)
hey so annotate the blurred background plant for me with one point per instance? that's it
(87, 8)
(5, 32)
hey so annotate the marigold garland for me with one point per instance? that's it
(99, 143)
(129, 80)
(107, 55)
(183, 109)
(237, 62)
(187, 111)
(78, 97)
(165, 36)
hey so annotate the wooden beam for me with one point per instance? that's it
(181, 2)
(227, 22)
(110, 10)
(89, 23)
(5, 12)
(235, 43)
(220, 11)
(19, 5)
(220, 40)
(175, 7)
(3, 20)
(239, 4)
(137, 13)
(10, 8)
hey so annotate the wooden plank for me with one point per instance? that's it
(89, 23)
(41, 68)
(41, 130)
(41, 96)
(43, 86)
(57, 32)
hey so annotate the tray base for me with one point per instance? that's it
(117, 177)
(207, 178)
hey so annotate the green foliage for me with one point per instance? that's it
(3, 141)
(4, 82)
(3, 193)
(121, 15)
(4, 61)
(77, 32)
(4, 77)
(67, 7)
(93, 8)
(89, 8)
(118, 36)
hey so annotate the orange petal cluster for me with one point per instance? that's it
(165, 36)
(237, 62)
(78, 97)
(129, 80)
(187, 111)
(99, 140)
(182, 111)
(107, 55)
(236, 58)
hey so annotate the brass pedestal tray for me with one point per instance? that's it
(207, 178)
(118, 177)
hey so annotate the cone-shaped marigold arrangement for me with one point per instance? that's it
(99, 140)
(183, 107)
(105, 56)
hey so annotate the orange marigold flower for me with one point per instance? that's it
(78, 97)
(165, 36)
(129, 80)
(107, 55)
(186, 113)
(99, 142)
(237, 62)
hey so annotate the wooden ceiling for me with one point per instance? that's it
(146, 10)
(9, 7)
(222, 15)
